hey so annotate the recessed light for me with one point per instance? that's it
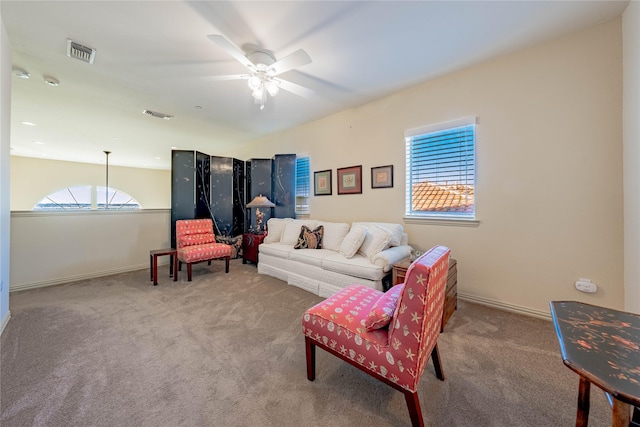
(19, 72)
(157, 158)
(198, 107)
(38, 142)
(51, 81)
(28, 123)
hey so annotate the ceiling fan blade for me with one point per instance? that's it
(295, 60)
(229, 77)
(231, 50)
(294, 88)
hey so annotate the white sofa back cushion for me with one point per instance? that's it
(334, 234)
(275, 227)
(292, 230)
(352, 241)
(395, 230)
(377, 239)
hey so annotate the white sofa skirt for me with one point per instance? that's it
(311, 278)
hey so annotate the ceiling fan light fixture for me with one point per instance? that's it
(258, 93)
(254, 82)
(272, 87)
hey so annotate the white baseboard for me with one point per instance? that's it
(505, 306)
(5, 321)
(60, 281)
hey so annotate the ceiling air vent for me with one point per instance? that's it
(158, 115)
(77, 51)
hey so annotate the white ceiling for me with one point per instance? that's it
(155, 55)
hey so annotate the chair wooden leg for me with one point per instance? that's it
(437, 364)
(413, 404)
(188, 271)
(226, 267)
(209, 262)
(311, 358)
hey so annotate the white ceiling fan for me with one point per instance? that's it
(264, 69)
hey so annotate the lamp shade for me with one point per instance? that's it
(261, 202)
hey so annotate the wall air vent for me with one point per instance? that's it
(158, 115)
(77, 51)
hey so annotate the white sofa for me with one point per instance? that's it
(363, 252)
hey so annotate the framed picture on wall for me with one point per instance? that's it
(322, 183)
(350, 180)
(382, 177)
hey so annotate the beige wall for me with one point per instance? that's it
(51, 248)
(32, 179)
(549, 168)
(631, 129)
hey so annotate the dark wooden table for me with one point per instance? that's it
(601, 345)
(153, 261)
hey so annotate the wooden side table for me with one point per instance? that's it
(153, 262)
(250, 242)
(450, 294)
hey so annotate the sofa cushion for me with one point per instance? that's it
(275, 227)
(310, 256)
(395, 230)
(358, 266)
(334, 234)
(383, 309)
(292, 230)
(310, 239)
(277, 250)
(352, 241)
(376, 240)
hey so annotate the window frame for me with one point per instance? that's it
(440, 218)
(306, 183)
(91, 204)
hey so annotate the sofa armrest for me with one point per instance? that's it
(390, 256)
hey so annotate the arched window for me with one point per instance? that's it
(87, 197)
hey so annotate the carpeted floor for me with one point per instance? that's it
(227, 350)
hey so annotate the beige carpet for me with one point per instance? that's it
(227, 350)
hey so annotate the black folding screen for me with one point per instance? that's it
(204, 186)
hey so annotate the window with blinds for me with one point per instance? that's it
(441, 170)
(302, 185)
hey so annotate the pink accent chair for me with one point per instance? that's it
(391, 335)
(196, 243)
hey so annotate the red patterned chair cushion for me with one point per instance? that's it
(204, 252)
(383, 309)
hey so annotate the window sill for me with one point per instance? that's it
(456, 222)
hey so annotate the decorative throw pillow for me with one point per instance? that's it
(383, 309)
(352, 241)
(376, 240)
(310, 239)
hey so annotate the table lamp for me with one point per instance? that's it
(260, 202)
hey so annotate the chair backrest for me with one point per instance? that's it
(415, 326)
(191, 232)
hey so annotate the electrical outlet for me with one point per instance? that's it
(586, 285)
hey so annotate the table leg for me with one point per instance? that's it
(150, 267)
(170, 265)
(155, 270)
(621, 414)
(584, 390)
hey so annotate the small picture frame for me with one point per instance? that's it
(350, 180)
(322, 183)
(382, 176)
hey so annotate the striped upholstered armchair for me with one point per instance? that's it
(196, 243)
(390, 336)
